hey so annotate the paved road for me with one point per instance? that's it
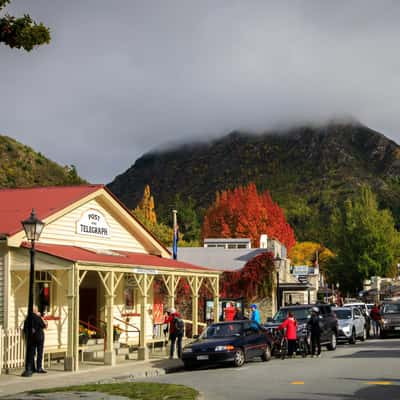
(369, 370)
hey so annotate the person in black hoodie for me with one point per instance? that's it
(315, 329)
(37, 341)
(239, 315)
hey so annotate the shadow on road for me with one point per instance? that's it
(372, 354)
(388, 348)
(370, 392)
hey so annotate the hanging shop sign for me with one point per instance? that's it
(303, 270)
(93, 223)
(145, 271)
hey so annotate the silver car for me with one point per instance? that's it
(351, 324)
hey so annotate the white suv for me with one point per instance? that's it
(351, 324)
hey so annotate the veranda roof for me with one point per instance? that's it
(117, 257)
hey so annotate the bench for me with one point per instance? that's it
(151, 342)
(54, 353)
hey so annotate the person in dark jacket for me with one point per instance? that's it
(38, 327)
(239, 315)
(315, 329)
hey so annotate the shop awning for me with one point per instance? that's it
(295, 286)
(117, 257)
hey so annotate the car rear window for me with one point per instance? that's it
(222, 330)
(299, 313)
(391, 308)
(343, 314)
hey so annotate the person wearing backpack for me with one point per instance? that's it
(176, 331)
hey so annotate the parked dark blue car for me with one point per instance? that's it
(231, 341)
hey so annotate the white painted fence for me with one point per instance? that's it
(12, 349)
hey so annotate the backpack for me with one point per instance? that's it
(179, 326)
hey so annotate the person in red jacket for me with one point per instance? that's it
(174, 336)
(229, 312)
(376, 319)
(290, 324)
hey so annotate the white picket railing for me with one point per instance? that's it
(12, 349)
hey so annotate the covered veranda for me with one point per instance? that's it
(71, 267)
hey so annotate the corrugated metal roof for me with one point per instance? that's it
(218, 258)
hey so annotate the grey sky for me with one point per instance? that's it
(123, 77)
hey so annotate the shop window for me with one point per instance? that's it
(43, 291)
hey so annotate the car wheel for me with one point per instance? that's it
(352, 339)
(332, 345)
(266, 355)
(238, 358)
(364, 335)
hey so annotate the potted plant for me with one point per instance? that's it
(116, 333)
(84, 334)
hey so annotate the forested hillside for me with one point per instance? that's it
(307, 170)
(21, 166)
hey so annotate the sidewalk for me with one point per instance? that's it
(11, 384)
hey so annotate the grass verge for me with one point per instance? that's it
(136, 390)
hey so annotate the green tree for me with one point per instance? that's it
(189, 225)
(22, 32)
(366, 242)
(161, 231)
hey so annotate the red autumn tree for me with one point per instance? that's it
(244, 213)
(253, 282)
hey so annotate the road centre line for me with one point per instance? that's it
(379, 383)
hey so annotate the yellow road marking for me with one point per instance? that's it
(297, 383)
(379, 383)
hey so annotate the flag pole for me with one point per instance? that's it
(174, 218)
(175, 238)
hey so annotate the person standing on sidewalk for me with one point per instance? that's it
(176, 331)
(38, 327)
(376, 318)
(315, 329)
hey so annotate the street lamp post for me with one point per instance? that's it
(33, 228)
(277, 265)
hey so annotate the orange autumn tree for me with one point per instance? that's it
(306, 253)
(245, 213)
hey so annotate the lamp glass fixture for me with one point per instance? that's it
(33, 227)
(277, 263)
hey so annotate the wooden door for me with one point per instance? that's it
(88, 305)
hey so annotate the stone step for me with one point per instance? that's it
(93, 347)
(123, 350)
(121, 357)
(93, 356)
(95, 341)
